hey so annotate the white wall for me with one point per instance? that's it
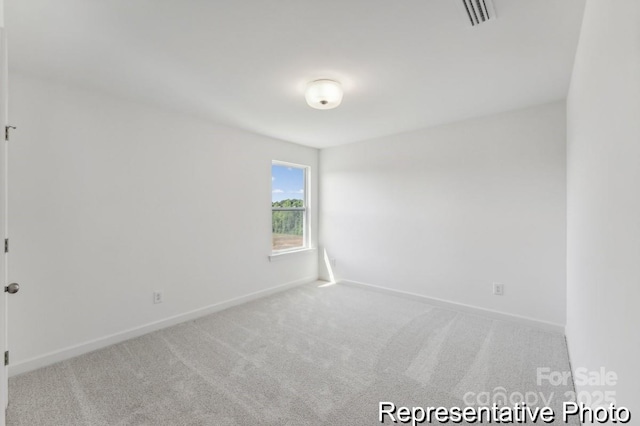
(603, 206)
(446, 211)
(111, 200)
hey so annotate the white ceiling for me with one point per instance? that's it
(404, 64)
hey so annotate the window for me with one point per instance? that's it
(289, 210)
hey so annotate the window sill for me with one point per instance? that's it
(275, 257)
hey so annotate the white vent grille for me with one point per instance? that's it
(478, 11)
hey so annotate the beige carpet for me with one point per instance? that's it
(308, 356)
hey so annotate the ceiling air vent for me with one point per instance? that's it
(478, 11)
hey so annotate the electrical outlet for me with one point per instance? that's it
(498, 289)
(157, 297)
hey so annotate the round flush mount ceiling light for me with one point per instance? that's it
(323, 94)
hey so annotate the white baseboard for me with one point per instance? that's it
(531, 322)
(101, 342)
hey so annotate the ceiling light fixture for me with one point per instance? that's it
(323, 94)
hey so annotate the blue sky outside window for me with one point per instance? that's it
(287, 183)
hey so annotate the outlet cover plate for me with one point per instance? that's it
(498, 289)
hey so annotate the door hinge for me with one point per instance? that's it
(6, 131)
(6, 358)
(6, 245)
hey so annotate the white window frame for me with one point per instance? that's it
(306, 222)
